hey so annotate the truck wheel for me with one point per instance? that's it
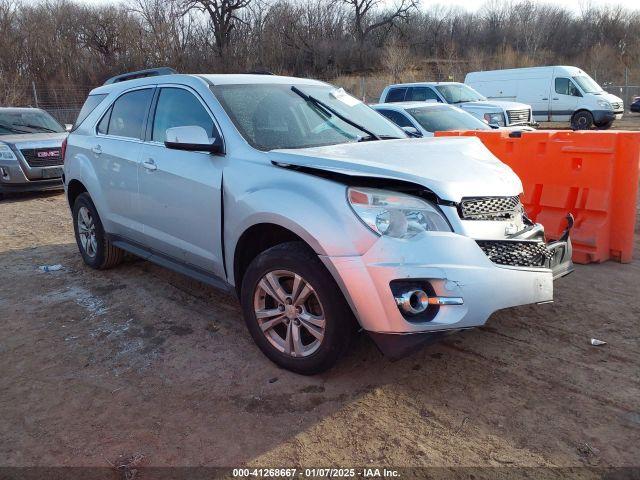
(294, 310)
(96, 250)
(582, 120)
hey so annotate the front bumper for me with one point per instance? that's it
(15, 180)
(453, 266)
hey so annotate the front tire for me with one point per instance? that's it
(294, 310)
(96, 250)
(582, 120)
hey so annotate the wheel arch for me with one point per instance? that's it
(256, 239)
(74, 189)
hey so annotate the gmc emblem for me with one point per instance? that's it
(49, 154)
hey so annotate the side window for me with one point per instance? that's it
(397, 118)
(396, 95)
(565, 86)
(127, 114)
(179, 108)
(103, 126)
(421, 94)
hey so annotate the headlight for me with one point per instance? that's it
(605, 104)
(6, 153)
(395, 214)
(496, 118)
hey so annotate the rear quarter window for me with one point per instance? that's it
(396, 95)
(89, 106)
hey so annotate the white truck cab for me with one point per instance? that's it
(495, 113)
(557, 94)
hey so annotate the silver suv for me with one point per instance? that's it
(316, 210)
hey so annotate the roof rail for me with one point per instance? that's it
(260, 71)
(150, 72)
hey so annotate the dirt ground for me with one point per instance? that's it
(138, 361)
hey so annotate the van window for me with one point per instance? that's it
(397, 118)
(128, 114)
(421, 94)
(178, 107)
(396, 95)
(564, 86)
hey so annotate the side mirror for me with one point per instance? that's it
(191, 139)
(412, 132)
(495, 126)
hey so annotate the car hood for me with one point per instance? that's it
(452, 168)
(34, 140)
(490, 105)
(610, 97)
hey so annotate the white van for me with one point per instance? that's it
(557, 94)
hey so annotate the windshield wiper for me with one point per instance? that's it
(320, 104)
(38, 127)
(11, 129)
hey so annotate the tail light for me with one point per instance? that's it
(63, 149)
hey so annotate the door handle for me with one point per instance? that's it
(150, 165)
(97, 149)
(556, 98)
(546, 98)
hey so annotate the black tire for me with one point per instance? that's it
(605, 126)
(582, 120)
(106, 255)
(297, 258)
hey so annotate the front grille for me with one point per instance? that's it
(43, 157)
(518, 116)
(616, 106)
(516, 253)
(490, 208)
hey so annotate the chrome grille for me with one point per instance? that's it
(617, 106)
(516, 253)
(490, 208)
(43, 157)
(518, 116)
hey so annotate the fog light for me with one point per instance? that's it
(413, 302)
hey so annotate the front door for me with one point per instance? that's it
(564, 99)
(179, 195)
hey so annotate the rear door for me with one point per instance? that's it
(180, 192)
(115, 151)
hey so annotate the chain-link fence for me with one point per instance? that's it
(63, 102)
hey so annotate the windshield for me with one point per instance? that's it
(587, 84)
(444, 118)
(272, 116)
(458, 93)
(18, 121)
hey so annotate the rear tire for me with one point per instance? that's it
(582, 120)
(96, 250)
(289, 300)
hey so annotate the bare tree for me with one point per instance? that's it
(367, 18)
(223, 15)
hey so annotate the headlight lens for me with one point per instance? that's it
(496, 118)
(395, 214)
(605, 104)
(6, 153)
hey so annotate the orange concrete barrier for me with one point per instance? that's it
(593, 175)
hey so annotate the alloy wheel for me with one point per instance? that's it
(87, 232)
(289, 313)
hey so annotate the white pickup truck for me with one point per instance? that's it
(494, 112)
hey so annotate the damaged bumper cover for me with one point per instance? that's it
(446, 265)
